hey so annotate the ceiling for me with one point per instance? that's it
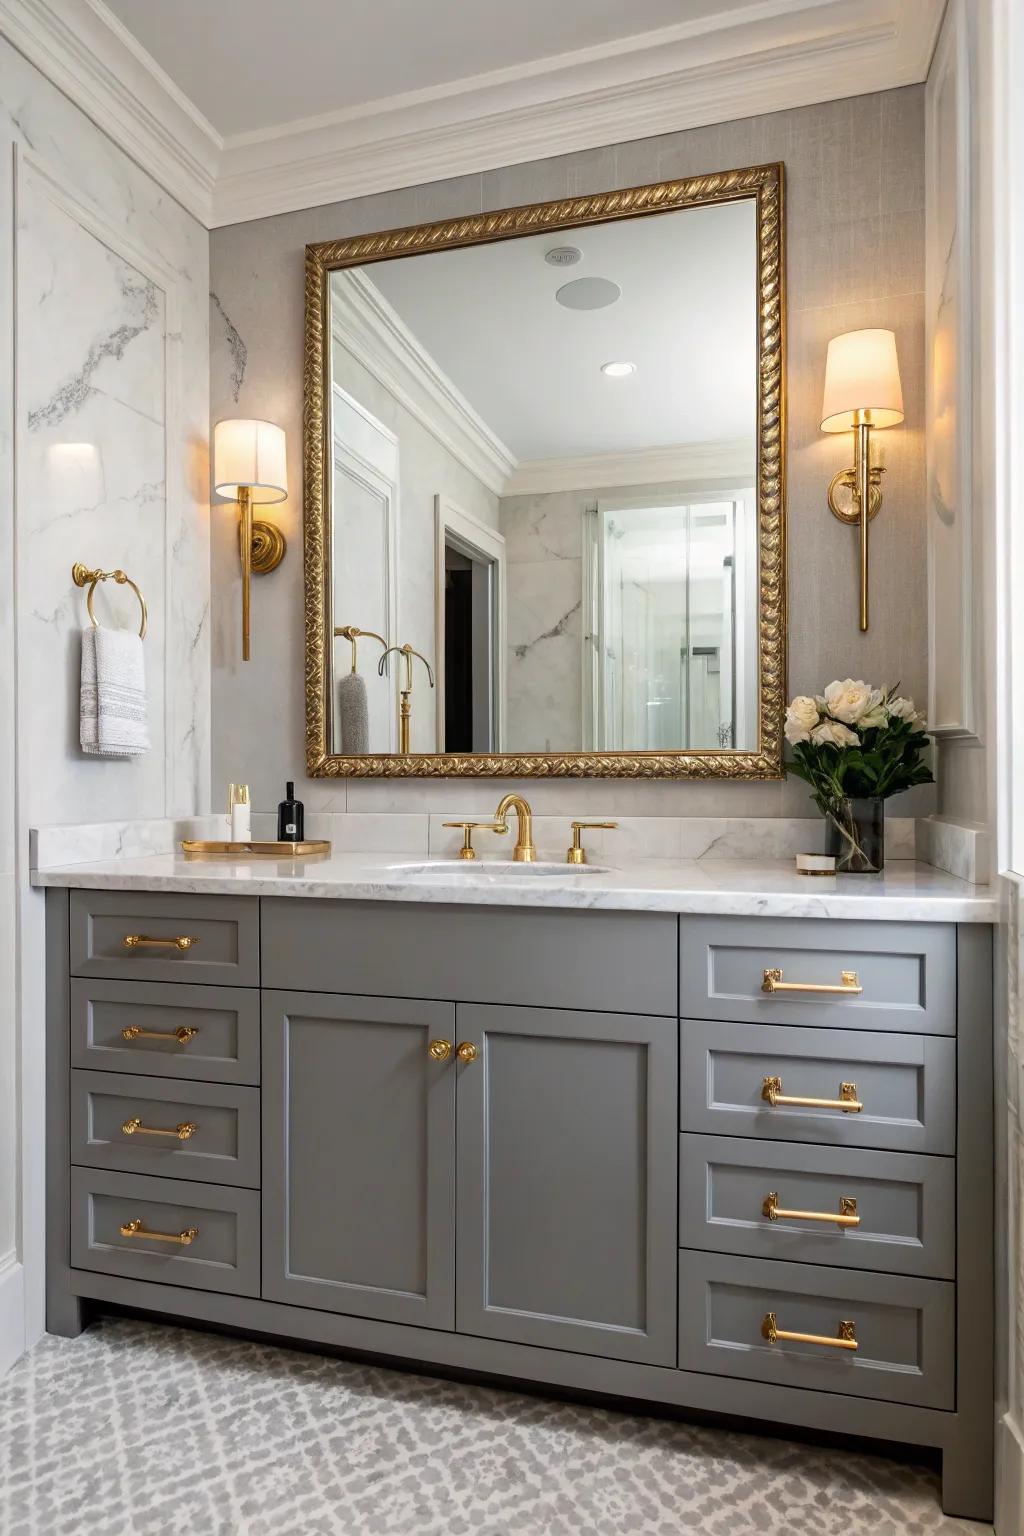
(242, 109)
(263, 63)
(487, 316)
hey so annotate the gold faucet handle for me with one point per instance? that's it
(577, 854)
(467, 828)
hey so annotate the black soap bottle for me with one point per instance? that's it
(290, 817)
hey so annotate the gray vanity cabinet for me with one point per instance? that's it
(583, 1149)
(566, 1213)
(359, 1156)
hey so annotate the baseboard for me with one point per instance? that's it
(1009, 1477)
(12, 1313)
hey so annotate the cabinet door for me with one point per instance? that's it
(567, 1180)
(359, 1156)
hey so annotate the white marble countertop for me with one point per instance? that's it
(904, 892)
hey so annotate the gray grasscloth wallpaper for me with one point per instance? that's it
(855, 208)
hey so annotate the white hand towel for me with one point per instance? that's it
(113, 705)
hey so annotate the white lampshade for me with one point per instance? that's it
(862, 375)
(250, 453)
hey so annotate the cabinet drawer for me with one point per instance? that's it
(906, 1084)
(219, 937)
(222, 1256)
(207, 1131)
(906, 972)
(159, 1029)
(905, 1204)
(903, 1328)
(618, 962)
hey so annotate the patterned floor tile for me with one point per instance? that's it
(152, 1430)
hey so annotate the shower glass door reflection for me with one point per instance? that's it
(663, 655)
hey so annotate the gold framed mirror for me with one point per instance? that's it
(544, 487)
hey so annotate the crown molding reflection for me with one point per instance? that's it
(741, 61)
(733, 459)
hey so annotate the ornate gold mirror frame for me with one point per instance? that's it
(764, 185)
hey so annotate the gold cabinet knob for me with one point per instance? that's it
(467, 1051)
(439, 1050)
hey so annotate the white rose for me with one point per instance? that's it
(848, 700)
(801, 718)
(903, 709)
(830, 733)
(876, 713)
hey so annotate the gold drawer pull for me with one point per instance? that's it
(135, 1127)
(846, 1216)
(136, 1229)
(467, 1051)
(182, 1035)
(141, 940)
(440, 1050)
(848, 1102)
(848, 986)
(846, 1334)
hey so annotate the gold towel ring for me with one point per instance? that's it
(82, 576)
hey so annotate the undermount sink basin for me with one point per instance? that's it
(493, 869)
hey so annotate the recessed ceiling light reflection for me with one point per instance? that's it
(588, 293)
(618, 370)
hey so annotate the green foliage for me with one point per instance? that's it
(886, 761)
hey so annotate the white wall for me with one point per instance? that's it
(982, 776)
(426, 468)
(103, 342)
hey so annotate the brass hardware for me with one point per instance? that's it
(262, 547)
(467, 1051)
(845, 1217)
(848, 984)
(467, 828)
(142, 940)
(136, 1229)
(848, 1102)
(577, 854)
(184, 1132)
(761, 187)
(439, 1050)
(269, 547)
(256, 849)
(846, 1334)
(350, 633)
(82, 577)
(524, 852)
(183, 1035)
(405, 708)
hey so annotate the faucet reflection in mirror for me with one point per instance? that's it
(250, 467)
(862, 391)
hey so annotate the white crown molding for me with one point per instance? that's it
(734, 460)
(363, 321)
(743, 60)
(84, 50)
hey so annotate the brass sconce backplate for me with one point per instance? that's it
(847, 507)
(269, 547)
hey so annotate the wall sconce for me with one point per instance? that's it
(862, 392)
(250, 467)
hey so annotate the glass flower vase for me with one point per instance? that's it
(855, 835)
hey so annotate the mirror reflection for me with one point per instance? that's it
(543, 521)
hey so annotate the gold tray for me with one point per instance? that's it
(257, 850)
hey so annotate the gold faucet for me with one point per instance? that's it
(525, 852)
